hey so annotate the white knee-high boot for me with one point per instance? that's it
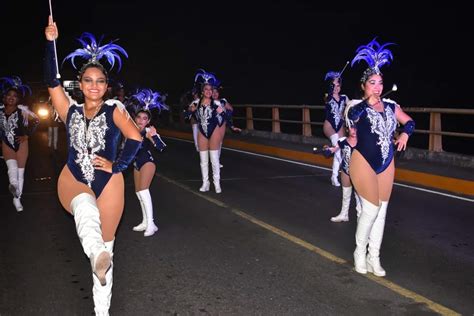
(13, 186)
(142, 226)
(346, 202)
(204, 157)
(216, 170)
(336, 161)
(102, 294)
(364, 227)
(195, 136)
(87, 218)
(151, 228)
(12, 166)
(375, 241)
(358, 206)
(21, 181)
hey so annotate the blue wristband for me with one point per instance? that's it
(409, 127)
(49, 66)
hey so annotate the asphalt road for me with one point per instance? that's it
(264, 246)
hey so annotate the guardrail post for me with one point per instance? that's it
(249, 117)
(306, 122)
(275, 120)
(435, 143)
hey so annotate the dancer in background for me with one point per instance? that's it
(53, 127)
(334, 122)
(17, 123)
(91, 185)
(372, 166)
(345, 145)
(208, 115)
(227, 107)
(144, 164)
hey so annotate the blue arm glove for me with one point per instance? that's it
(158, 142)
(127, 155)
(49, 66)
(409, 127)
(356, 111)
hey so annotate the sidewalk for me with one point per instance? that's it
(458, 180)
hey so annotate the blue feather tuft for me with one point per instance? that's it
(374, 54)
(15, 83)
(204, 77)
(148, 100)
(93, 52)
(332, 75)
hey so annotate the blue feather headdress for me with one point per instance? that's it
(147, 100)
(375, 55)
(14, 82)
(329, 78)
(93, 52)
(331, 75)
(203, 77)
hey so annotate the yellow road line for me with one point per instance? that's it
(381, 281)
(449, 184)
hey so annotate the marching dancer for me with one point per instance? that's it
(17, 123)
(144, 163)
(334, 122)
(345, 146)
(227, 107)
(372, 165)
(209, 115)
(91, 185)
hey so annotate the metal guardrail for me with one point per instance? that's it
(435, 131)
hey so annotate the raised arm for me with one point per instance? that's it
(59, 99)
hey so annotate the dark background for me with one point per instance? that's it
(263, 51)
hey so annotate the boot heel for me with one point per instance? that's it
(217, 186)
(205, 187)
(375, 268)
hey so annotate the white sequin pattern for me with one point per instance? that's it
(87, 145)
(346, 156)
(337, 109)
(205, 114)
(10, 125)
(383, 128)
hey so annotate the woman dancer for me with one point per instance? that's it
(334, 122)
(209, 115)
(17, 123)
(345, 145)
(91, 185)
(372, 166)
(144, 163)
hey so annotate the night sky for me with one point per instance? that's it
(263, 51)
